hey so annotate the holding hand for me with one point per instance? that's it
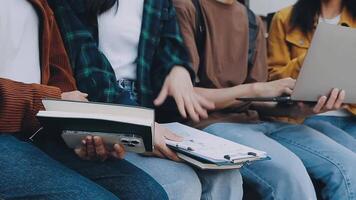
(93, 148)
(161, 149)
(324, 104)
(74, 96)
(274, 88)
(179, 85)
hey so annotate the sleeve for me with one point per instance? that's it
(186, 18)
(93, 72)
(61, 74)
(171, 50)
(259, 72)
(279, 60)
(20, 103)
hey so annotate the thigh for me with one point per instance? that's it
(335, 128)
(350, 126)
(326, 161)
(28, 173)
(179, 180)
(117, 176)
(265, 175)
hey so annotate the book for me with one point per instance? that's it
(206, 151)
(128, 125)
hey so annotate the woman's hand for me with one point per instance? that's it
(324, 104)
(93, 149)
(274, 88)
(179, 85)
(161, 149)
(74, 96)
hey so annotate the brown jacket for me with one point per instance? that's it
(20, 102)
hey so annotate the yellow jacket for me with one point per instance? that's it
(287, 47)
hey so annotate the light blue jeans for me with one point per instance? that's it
(181, 181)
(340, 129)
(295, 150)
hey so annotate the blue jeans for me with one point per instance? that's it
(340, 129)
(183, 182)
(190, 184)
(28, 173)
(304, 150)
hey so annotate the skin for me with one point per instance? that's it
(331, 8)
(74, 96)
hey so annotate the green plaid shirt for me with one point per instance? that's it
(161, 47)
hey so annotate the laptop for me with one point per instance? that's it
(330, 63)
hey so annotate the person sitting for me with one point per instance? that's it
(230, 61)
(34, 65)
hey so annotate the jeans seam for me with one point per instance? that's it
(319, 154)
(261, 180)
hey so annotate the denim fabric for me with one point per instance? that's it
(27, 173)
(327, 162)
(284, 177)
(117, 176)
(183, 182)
(340, 129)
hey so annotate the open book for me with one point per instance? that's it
(207, 151)
(131, 126)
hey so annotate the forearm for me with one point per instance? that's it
(225, 97)
(20, 102)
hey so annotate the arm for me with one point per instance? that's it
(280, 63)
(61, 74)
(19, 104)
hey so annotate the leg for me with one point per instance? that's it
(282, 177)
(333, 127)
(350, 126)
(27, 173)
(327, 162)
(117, 176)
(179, 180)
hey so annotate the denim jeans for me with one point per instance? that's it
(295, 150)
(28, 173)
(179, 180)
(340, 129)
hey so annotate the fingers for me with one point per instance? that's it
(100, 149)
(168, 153)
(190, 109)
(119, 151)
(288, 91)
(161, 97)
(205, 103)
(90, 147)
(180, 104)
(332, 99)
(340, 99)
(319, 106)
(199, 109)
(81, 153)
(289, 82)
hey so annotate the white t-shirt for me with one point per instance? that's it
(342, 112)
(119, 36)
(19, 42)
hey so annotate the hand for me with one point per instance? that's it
(324, 104)
(93, 148)
(161, 149)
(75, 96)
(179, 85)
(274, 88)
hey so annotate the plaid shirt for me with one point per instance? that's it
(161, 47)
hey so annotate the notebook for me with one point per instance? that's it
(207, 151)
(116, 124)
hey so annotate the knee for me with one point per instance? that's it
(187, 185)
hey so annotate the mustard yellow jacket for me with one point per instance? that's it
(287, 47)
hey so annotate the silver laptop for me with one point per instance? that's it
(330, 63)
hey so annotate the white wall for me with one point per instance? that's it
(263, 7)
